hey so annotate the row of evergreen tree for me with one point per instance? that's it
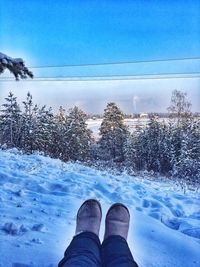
(170, 148)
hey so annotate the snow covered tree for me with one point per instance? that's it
(166, 155)
(134, 151)
(43, 130)
(180, 119)
(58, 129)
(77, 136)
(11, 122)
(15, 65)
(150, 148)
(185, 138)
(180, 107)
(187, 162)
(29, 124)
(133, 159)
(61, 116)
(152, 145)
(147, 147)
(113, 134)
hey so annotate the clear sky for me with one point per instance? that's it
(77, 32)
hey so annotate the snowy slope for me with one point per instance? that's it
(39, 198)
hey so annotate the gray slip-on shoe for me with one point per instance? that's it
(89, 217)
(117, 221)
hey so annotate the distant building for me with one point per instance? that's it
(144, 115)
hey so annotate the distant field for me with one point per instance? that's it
(94, 125)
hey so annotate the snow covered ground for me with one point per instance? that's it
(39, 198)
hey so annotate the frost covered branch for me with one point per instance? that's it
(15, 65)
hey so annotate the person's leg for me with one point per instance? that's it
(84, 249)
(115, 251)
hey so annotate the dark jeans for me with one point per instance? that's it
(86, 250)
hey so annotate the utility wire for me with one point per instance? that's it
(114, 63)
(112, 75)
(116, 75)
(106, 79)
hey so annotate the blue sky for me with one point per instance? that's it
(77, 32)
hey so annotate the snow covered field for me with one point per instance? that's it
(94, 125)
(39, 198)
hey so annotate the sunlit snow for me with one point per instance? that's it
(39, 198)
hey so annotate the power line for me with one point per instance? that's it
(119, 75)
(114, 63)
(112, 75)
(120, 78)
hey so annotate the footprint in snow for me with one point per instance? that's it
(172, 223)
(194, 232)
(13, 229)
(39, 227)
(36, 241)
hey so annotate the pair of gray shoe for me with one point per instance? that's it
(89, 219)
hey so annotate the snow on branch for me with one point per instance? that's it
(15, 65)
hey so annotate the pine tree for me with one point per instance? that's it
(187, 164)
(77, 136)
(58, 130)
(149, 148)
(152, 147)
(113, 134)
(166, 155)
(11, 122)
(43, 130)
(134, 154)
(132, 157)
(29, 124)
(185, 138)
